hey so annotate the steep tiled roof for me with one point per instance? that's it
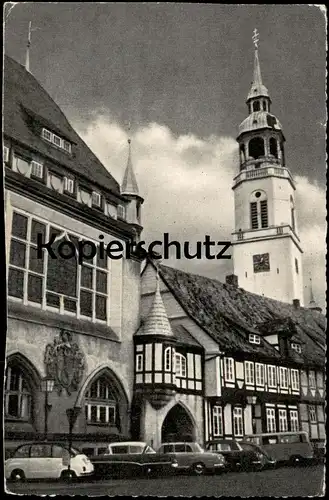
(228, 313)
(25, 101)
(183, 336)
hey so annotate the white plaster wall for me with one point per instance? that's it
(285, 285)
(278, 192)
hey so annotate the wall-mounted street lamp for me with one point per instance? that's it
(47, 386)
(251, 400)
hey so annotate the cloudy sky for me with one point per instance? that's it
(180, 74)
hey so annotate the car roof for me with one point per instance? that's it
(275, 434)
(129, 443)
(214, 441)
(178, 442)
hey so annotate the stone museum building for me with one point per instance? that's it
(128, 348)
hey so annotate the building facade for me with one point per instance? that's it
(70, 320)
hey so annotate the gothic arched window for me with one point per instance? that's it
(273, 147)
(18, 394)
(256, 147)
(101, 402)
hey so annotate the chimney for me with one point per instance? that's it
(296, 303)
(232, 279)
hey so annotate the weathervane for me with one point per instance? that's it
(129, 127)
(255, 38)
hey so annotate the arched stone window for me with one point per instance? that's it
(264, 106)
(21, 385)
(273, 147)
(256, 147)
(106, 404)
(256, 106)
(258, 210)
(18, 394)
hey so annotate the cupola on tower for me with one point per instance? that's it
(266, 248)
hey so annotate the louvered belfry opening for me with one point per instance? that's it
(253, 215)
(264, 213)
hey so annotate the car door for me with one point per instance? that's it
(60, 459)
(41, 461)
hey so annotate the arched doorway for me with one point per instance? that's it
(177, 426)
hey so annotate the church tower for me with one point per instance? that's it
(266, 248)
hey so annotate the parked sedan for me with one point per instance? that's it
(240, 455)
(43, 460)
(131, 458)
(193, 458)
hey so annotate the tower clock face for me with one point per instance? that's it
(261, 262)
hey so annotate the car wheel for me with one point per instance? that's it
(68, 475)
(198, 469)
(17, 475)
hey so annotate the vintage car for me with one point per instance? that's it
(191, 457)
(129, 458)
(44, 460)
(240, 455)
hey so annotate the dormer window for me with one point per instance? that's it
(254, 339)
(57, 140)
(96, 199)
(67, 146)
(46, 135)
(69, 185)
(36, 170)
(5, 154)
(296, 347)
(121, 212)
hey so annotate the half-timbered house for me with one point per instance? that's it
(252, 374)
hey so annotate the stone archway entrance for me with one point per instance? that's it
(177, 426)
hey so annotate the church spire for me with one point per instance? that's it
(129, 183)
(313, 305)
(258, 89)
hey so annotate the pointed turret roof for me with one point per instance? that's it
(129, 183)
(157, 322)
(258, 89)
(313, 304)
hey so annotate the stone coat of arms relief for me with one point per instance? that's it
(65, 363)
